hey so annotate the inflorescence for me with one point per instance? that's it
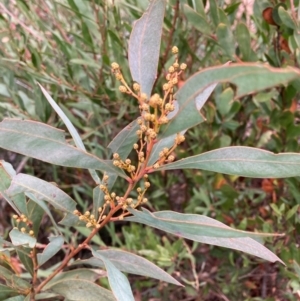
(154, 111)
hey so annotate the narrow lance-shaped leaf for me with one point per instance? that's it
(46, 143)
(205, 230)
(197, 20)
(144, 45)
(80, 274)
(6, 173)
(118, 282)
(52, 248)
(43, 190)
(242, 161)
(80, 289)
(248, 78)
(130, 263)
(71, 128)
(42, 204)
(13, 280)
(123, 142)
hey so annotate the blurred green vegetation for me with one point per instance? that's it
(68, 46)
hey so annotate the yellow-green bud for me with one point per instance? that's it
(163, 120)
(183, 66)
(31, 233)
(156, 165)
(136, 87)
(171, 69)
(127, 161)
(139, 189)
(23, 230)
(116, 156)
(118, 76)
(88, 225)
(171, 158)
(144, 96)
(115, 66)
(166, 87)
(135, 146)
(143, 127)
(145, 107)
(122, 89)
(174, 81)
(174, 49)
(87, 213)
(176, 65)
(147, 184)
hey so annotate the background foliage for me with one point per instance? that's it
(68, 47)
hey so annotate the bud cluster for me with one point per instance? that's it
(23, 224)
(88, 218)
(154, 111)
(126, 165)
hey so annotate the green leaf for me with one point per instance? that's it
(6, 292)
(123, 142)
(242, 161)
(86, 62)
(286, 18)
(24, 253)
(249, 78)
(20, 239)
(13, 280)
(42, 204)
(225, 40)
(244, 40)
(118, 282)
(43, 190)
(144, 45)
(197, 20)
(6, 173)
(43, 142)
(35, 215)
(214, 12)
(71, 128)
(82, 290)
(80, 274)
(205, 230)
(51, 249)
(131, 263)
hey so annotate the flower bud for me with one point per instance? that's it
(174, 49)
(183, 66)
(136, 87)
(122, 89)
(115, 66)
